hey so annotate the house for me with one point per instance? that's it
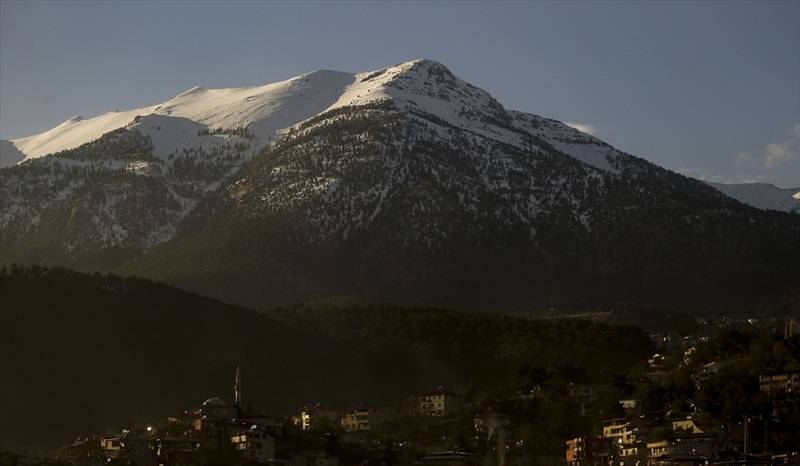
(686, 425)
(315, 418)
(111, 447)
(134, 446)
(702, 376)
(656, 361)
(589, 451)
(683, 449)
(687, 444)
(627, 438)
(440, 403)
(618, 430)
(254, 444)
(633, 454)
(783, 383)
(80, 449)
(357, 421)
(177, 451)
(656, 450)
(631, 406)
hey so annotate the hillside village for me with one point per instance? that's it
(727, 394)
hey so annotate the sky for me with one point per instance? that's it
(709, 89)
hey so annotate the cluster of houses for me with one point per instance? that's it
(624, 443)
(440, 403)
(682, 439)
(428, 429)
(219, 432)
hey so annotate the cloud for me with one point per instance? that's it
(700, 174)
(582, 127)
(776, 161)
(703, 175)
(777, 154)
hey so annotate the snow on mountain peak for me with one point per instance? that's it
(422, 87)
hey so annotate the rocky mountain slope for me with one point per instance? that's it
(405, 181)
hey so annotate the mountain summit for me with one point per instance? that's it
(405, 181)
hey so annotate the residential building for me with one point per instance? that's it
(633, 454)
(133, 446)
(620, 431)
(316, 417)
(705, 373)
(656, 450)
(686, 425)
(589, 451)
(441, 403)
(784, 383)
(683, 448)
(656, 361)
(177, 451)
(254, 444)
(630, 406)
(696, 444)
(357, 421)
(111, 447)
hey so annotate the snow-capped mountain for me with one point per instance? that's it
(404, 181)
(763, 195)
(264, 110)
(202, 136)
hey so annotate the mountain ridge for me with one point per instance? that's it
(411, 182)
(764, 196)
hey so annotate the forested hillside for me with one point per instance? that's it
(89, 352)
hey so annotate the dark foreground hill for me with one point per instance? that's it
(81, 353)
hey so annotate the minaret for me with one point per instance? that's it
(237, 389)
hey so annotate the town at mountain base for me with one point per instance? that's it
(136, 372)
